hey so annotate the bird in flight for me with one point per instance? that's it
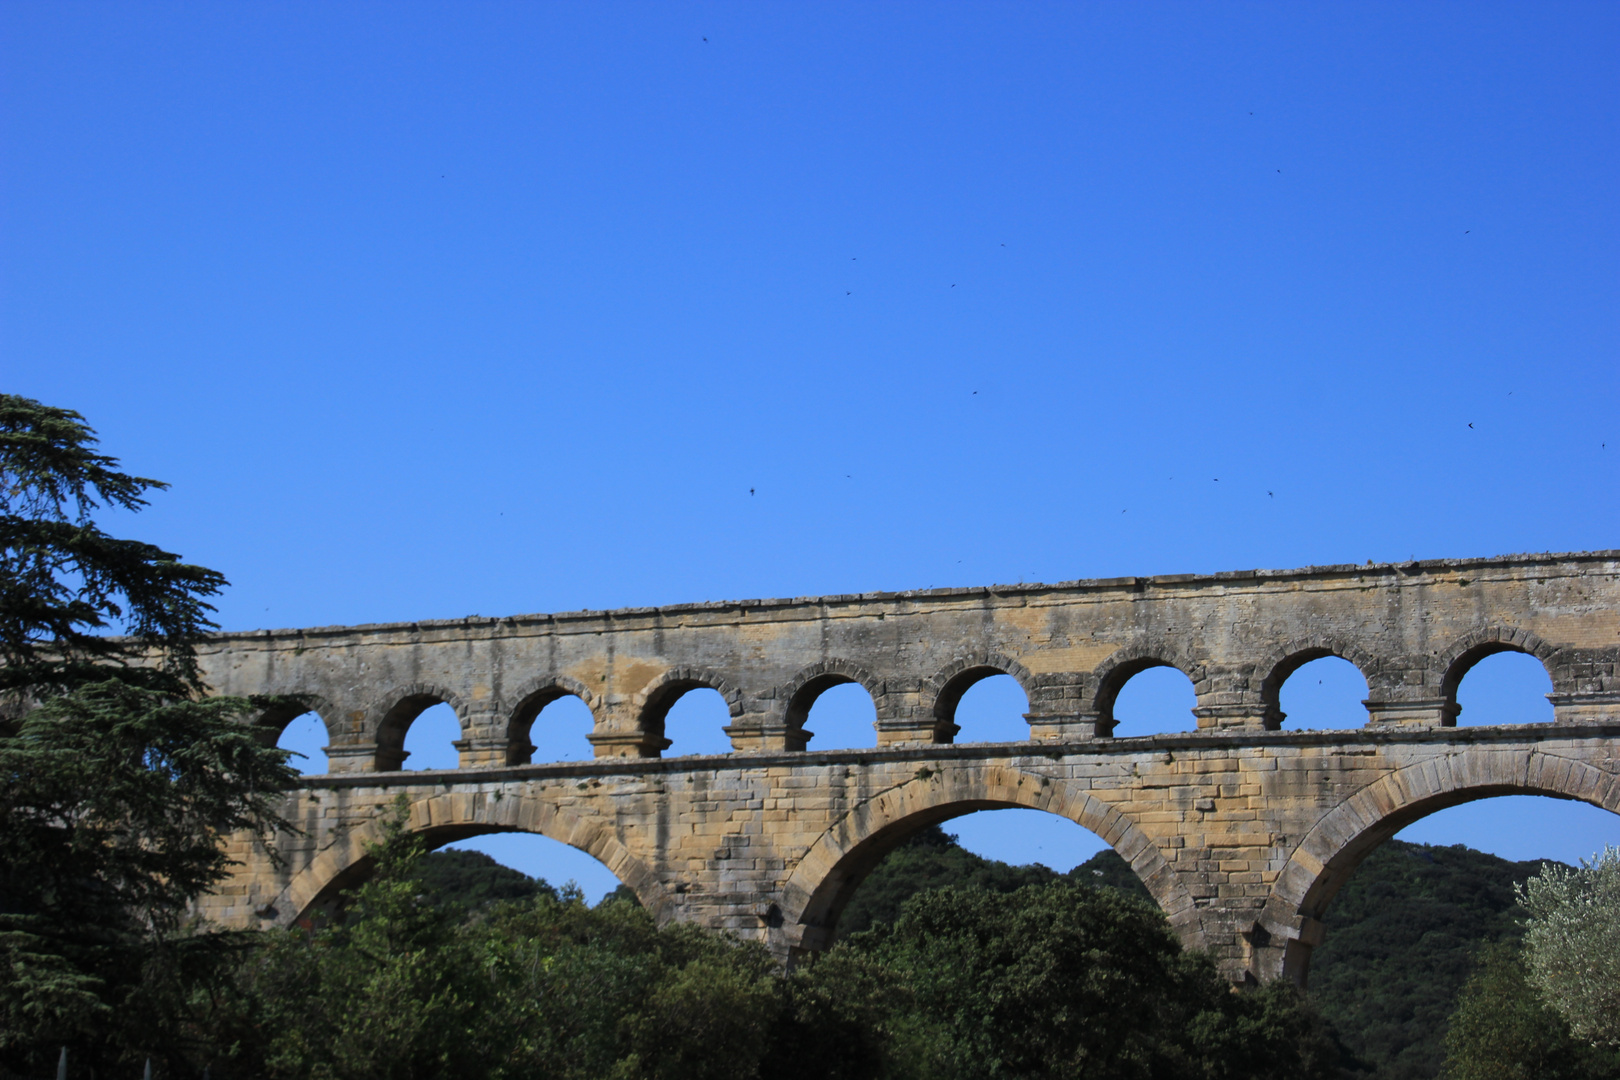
(1269, 495)
(750, 490)
(1470, 425)
(705, 39)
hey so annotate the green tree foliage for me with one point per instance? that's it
(112, 817)
(64, 582)
(1502, 1030)
(1572, 944)
(472, 879)
(1058, 980)
(931, 858)
(1050, 980)
(118, 790)
(408, 987)
(1400, 941)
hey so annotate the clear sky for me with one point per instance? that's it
(430, 310)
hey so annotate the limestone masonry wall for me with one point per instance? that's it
(1243, 832)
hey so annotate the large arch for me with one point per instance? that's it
(447, 817)
(531, 698)
(948, 686)
(1329, 854)
(1461, 655)
(835, 865)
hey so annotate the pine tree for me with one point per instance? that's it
(120, 780)
(65, 583)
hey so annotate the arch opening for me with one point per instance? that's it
(1501, 686)
(1149, 697)
(1412, 904)
(839, 714)
(1326, 691)
(995, 845)
(1463, 802)
(836, 864)
(985, 702)
(550, 725)
(542, 858)
(306, 737)
(499, 863)
(421, 728)
(1327, 857)
(690, 718)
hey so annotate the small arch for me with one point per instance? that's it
(306, 737)
(1457, 660)
(1295, 655)
(1506, 687)
(659, 696)
(699, 723)
(1326, 693)
(433, 741)
(843, 717)
(296, 722)
(803, 689)
(960, 676)
(994, 709)
(825, 879)
(532, 698)
(1110, 676)
(1324, 860)
(274, 712)
(444, 818)
(404, 706)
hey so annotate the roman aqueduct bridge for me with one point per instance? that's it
(1241, 829)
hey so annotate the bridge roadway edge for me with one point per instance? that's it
(1241, 836)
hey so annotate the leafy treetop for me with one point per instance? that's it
(64, 583)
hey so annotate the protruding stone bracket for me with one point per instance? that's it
(1411, 713)
(1585, 708)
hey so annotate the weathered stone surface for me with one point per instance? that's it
(1242, 832)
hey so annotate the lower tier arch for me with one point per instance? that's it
(444, 818)
(827, 876)
(1291, 924)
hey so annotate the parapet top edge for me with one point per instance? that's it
(1222, 577)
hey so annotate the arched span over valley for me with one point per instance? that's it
(1242, 831)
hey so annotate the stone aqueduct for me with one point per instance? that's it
(1242, 830)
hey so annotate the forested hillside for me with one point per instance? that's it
(1400, 943)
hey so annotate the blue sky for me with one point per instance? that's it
(431, 310)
